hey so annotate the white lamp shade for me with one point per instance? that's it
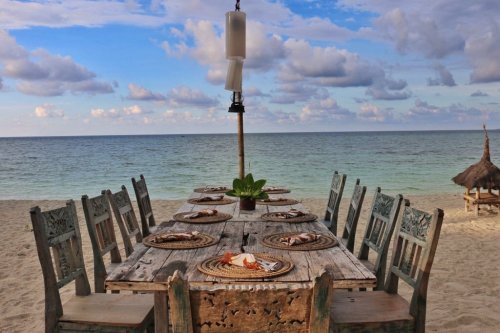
(235, 35)
(234, 75)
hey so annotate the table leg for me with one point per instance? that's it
(161, 312)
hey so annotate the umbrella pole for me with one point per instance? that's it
(241, 145)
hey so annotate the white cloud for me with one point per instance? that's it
(137, 92)
(187, 97)
(373, 113)
(479, 93)
(48, 111)
(127, 111)
(425, 112)
(484, 52)
(325, 109)
(43, 74)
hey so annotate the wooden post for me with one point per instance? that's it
(241, 145)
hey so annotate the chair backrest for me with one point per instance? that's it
(414, 248)
(332, 208)
(102, 236)
(252, 309)
(379, 230)
(351, 222)
(144, 203)
(125, 218)
(58, 230)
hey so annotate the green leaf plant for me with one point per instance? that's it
(247, 188)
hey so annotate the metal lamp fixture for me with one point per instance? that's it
(236, 53)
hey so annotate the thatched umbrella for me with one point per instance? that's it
(483, 174)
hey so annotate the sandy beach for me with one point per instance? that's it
(463, 295)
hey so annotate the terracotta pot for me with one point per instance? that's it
(247, 204)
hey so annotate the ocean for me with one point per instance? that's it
(398, 162)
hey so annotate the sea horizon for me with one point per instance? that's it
(406, 162)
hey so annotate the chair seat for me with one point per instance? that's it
(125, 310)
(358, 310)
(369, 265)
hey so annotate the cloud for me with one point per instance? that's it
(373, 113)
(48, 111)
(254, 92)
(1, 83)
(483, 52)
(479, 93)
(114, 113)
(137, 92)
(388, 89)
(43, 74)
(445, 78)
(326, 109)
(182, 96)
(425, 112)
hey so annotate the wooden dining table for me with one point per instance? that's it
(219, 304)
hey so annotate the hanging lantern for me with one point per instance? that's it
(235, 35)
(234, 75)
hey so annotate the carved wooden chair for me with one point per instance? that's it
(251, 309)
(145, 210)
(378, 234)
(58, 243)
(125, 218)
(415, 244)
(332, 208)
(351, 222)
(102, 237)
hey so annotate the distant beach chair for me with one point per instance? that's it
(332, 208)
(145, 210)
(58, 243)
(125, 218)
(102, 237)
(378, 233)
(351, 223)
(384, 310)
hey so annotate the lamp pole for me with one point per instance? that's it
(236, 52)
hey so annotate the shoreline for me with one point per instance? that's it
(463, 290)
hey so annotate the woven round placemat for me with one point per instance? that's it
(219, 217)
(273, 217)
(323, 242)
(214, 267)
(278, 203)
(201, 240)
(277, 191)
(207, 190)
(224, 201)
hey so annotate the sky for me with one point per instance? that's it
(108, 67)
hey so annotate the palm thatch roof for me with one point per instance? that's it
(482, 174)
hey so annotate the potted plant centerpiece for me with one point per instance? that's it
(248, 191)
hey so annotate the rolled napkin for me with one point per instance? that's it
(272, 188)
(215, 188)
(201, 213)
(305, 237)
(274, 199)
(210, 198)
(175, 236)
(249, 261)
(290, 214)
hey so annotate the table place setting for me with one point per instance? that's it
(212, 189)
(275, 190)
(277, 201)
(291, 216)
(299, 241)
(179, 240)
(211, 200)
(245, 265)
(203, 216)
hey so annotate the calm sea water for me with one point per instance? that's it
(398, 162)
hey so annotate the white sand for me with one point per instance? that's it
(463, 295)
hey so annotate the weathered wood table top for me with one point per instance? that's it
(279, 304)
(149, 268)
